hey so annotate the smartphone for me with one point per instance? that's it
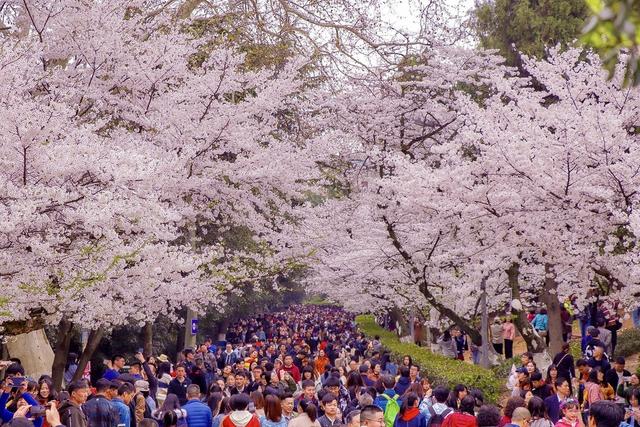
(38, 411)
(141, 350)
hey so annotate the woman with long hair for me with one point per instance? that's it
(225, 409)
(407, 361)
(632, 412)
(415, 388)
(258, 403)
(170, 405)
(354, 383)
(273, 413)
(214, 401)
(46, 391)
(464, 416)
(538, 411)
(308, 415)
(458, 393)
(592, 391)
(410, 415)
(606, 389)
(552, 376)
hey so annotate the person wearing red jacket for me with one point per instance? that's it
(291, 368)
(464, 417)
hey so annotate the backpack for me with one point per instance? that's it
(436, 420)
(391, 411)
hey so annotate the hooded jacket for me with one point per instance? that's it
(241, 419)
(411, 418)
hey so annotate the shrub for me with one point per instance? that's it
(575, 350)
(628, 342)
(440, 370)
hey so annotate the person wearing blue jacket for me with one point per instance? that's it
(198, 414)
(389, 393)
(410, 415)
(541, 320)
(121, 404)
(7, 415)
(404, 382)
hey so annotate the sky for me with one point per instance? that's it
(406, 15)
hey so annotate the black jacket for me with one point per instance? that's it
(179, 389)
(612, 377)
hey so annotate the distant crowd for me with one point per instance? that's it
(309, 366)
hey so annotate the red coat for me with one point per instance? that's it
(294, 372)
(458, 419)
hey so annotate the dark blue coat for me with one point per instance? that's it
(553, 407)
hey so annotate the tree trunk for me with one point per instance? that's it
(223, 325)
(418, 277)
(92, 344)
(535, 343)
(550, 298)
(63, 341)
(179, 341)
(147, 339)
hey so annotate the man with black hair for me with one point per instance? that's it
(436, 413)
(121, 404)
(239, 416)
(615, 375)
(364, 374)
(330, 408)
(414, 373)
(334, 386)
(308, 393)
(179, 384)
(71, 412)
(113, 370)
(552, 403)
(99, 410)
(14, 370)
(352, 419)
(135, 370)
(389, 393)
(539, 388)
(488, 416)
(372, 416)
(242, 380)
(605, 413)
(288, 407)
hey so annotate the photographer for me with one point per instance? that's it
(13, 388)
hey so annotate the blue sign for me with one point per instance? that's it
(194, 326)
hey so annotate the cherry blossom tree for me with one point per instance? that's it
(130, 147)
(477, 181)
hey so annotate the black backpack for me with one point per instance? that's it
(436, 420)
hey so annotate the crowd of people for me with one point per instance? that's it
(310, 367)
